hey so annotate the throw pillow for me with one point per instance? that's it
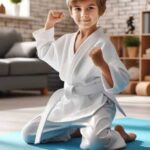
(22, 49)
(7, 38)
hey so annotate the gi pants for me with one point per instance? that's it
(96, 131)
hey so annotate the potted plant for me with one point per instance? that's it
(16, 7)
(132, 45)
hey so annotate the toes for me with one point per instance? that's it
(131, 137)
(128, 137)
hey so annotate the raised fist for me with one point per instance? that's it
(54, 16)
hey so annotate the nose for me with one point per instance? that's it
(84, 13)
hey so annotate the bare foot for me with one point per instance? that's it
(128, 137)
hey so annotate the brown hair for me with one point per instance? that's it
(100, 3)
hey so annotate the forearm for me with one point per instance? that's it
(48, 26)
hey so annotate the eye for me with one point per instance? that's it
(90, 8)
(77, 8)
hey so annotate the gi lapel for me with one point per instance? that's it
(84, 49)
(67, 58)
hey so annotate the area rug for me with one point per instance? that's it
(14, 141)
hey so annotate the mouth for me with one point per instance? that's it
(85, 21)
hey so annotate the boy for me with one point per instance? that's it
(92, 74)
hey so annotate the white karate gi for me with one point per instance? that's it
(86, 101)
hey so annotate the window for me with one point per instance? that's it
(22, 10)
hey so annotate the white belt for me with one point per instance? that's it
(90, 88)
(45, 114)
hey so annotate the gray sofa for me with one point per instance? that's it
(19, 66)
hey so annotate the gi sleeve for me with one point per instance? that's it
(47, 47)
(118, 71)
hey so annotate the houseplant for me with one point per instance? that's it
(15, 1)
(132, 45)
(16, 7)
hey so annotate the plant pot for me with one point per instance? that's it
(132, 51)
(16, 9)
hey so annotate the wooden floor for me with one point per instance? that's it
(17, 108)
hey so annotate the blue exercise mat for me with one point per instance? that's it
(14, 141)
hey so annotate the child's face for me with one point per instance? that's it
(85, 13)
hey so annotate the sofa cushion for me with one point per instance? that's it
(22, 49)
(4, 67)
(23, 82)
(7, 38)
(27, 66)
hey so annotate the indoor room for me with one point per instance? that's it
(56, 54)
